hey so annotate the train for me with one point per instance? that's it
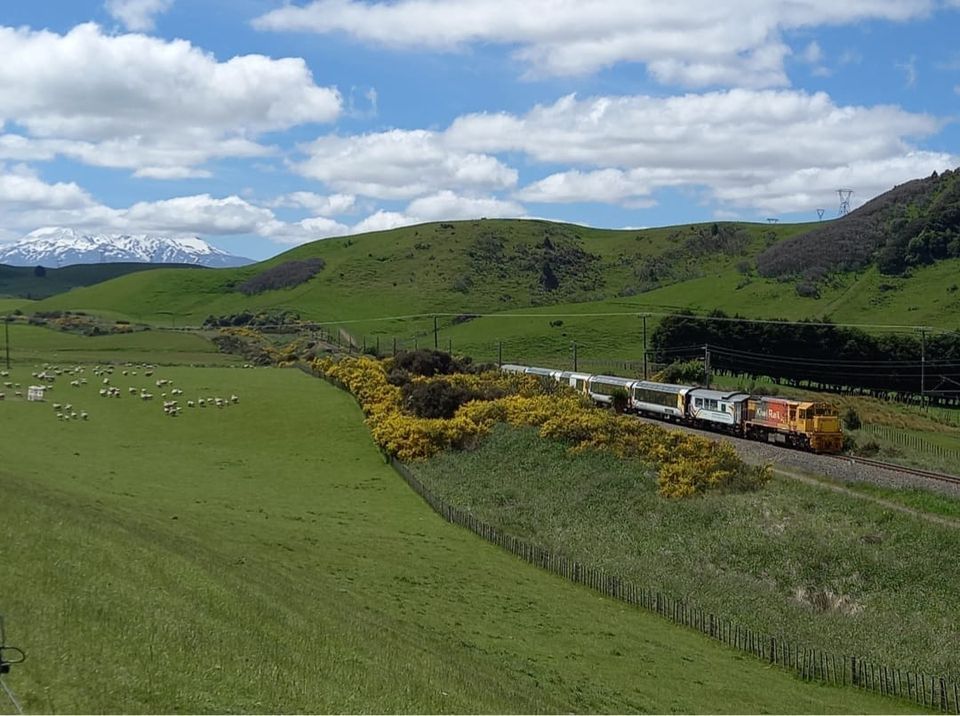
(804, 425)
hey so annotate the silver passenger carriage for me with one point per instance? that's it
(665, 399)
(720, 407)
(577, 381)
(602, 387)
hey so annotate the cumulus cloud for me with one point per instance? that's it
(622, 149)
(400, 164)
(137, 15)
(438, 206)
(27, 203)
(301, 232)
(688, 42)
(158, 107)
(319, 204)
(21, 188)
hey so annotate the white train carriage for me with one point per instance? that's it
(717, 407)
(666, 399)
(577, 381)
(602, 387)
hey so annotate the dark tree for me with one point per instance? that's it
(39, 272)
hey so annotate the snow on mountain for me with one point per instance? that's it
(58, 247)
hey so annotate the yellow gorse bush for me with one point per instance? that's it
(687, 464)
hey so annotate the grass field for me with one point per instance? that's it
(38, 344)
(743, 556)
(263, 558)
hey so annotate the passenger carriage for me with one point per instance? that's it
(717, 408)
(664, 399)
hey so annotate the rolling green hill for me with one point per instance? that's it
(23, 282)
(370, 283)
(485, 265)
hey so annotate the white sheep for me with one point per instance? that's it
(84, 415)
(190, 403)
(234, 399)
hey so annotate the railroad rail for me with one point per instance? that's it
(918, 472)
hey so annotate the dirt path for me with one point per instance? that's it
(889, 504)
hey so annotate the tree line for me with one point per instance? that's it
(817, 354)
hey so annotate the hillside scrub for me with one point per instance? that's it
(285, 275)
(914, 224)
(429, 415)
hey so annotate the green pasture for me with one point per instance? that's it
(9, 305)
(40, 344)
(888, 586)
(263, 558)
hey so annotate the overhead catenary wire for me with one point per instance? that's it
(612, 314)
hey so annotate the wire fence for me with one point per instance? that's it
(809, 663)
(913, 442)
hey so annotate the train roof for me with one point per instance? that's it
(532, 370)
(612, 379)
(734, 396)
(663, 387)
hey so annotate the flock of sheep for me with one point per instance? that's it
(105, 375)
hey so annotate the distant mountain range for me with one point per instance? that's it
(57, 247)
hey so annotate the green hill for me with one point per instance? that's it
(894, 260)
(485, 265)
(25, 282)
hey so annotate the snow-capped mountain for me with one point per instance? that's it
(58, 247)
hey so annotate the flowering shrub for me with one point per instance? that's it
(687, 464)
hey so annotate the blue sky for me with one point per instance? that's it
(259, 124)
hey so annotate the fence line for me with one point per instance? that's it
(810, 664)
(915, 442)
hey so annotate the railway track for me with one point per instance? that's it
(918, 472)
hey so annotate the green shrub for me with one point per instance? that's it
(851, 419)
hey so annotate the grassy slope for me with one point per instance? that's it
(743, 556)
(20, 281)
(384, 273)
(263, 558)
(35, 344)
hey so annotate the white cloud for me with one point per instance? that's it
(200, 214)
(737, 130)
(22, 189)
(448, 205)
(301, 232)
(400, 164)
(383, 220)
(137, 15)
(812, 53)
(746, 147)
(613, 186)
(319, 204)
(158, 107)
(688, 42)
(439, 206)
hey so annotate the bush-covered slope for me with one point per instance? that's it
(913, 224)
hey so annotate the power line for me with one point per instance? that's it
(611, 314)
